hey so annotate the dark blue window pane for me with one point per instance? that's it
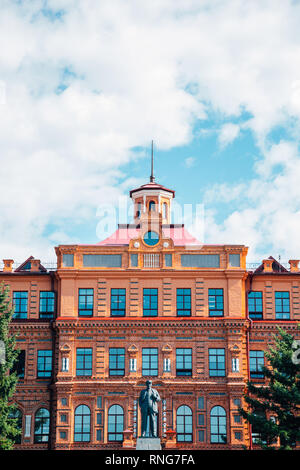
(44, 363)
(217, 362)
(85, 302)
(20, 301)
(84, 362)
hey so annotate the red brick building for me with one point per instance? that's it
(150, 301)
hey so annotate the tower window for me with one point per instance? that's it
(152, 206)
(165, 210)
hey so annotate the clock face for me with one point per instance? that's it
(151, 238)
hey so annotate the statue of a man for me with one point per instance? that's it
(148, 404)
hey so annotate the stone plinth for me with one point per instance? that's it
(148, 443)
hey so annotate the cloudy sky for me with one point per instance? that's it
(85, 85)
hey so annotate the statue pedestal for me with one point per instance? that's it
(148, 443)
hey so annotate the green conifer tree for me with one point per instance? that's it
(273, 409)
(9, 431)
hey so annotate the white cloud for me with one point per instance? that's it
(128, 66)
(268, 208)
(228, 133)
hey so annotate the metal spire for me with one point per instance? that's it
(152, 177)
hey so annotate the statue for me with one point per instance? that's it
(148, 404)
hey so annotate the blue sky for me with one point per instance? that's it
(86, 85)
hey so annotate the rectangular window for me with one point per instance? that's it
(183, 362)
(201, 435)
(200, 261)
(151, 260)
(65, 364)
(68, 260)
(102, 261)
(256, 362)
(150, 361)
(99, 402)
(235, 364)
(134, 260)
(234, 260)
(282, 305)
(237, 402)
(150, 302)
(217, 362)
(200, 420)
(117, 302)
(84, 361)
(63, 434)
(116, 361)
(27, 432)
(168, 260)
(167, 364)
(132, 364)
(19, 365)
(86, 302)
(255, 305)
(20, 301)
(237, 418)
(99, 434)
(216, 302)
(47, 304)
(238, 436)
(44, 363)
(201, 403)
(99, 418)
(184, 302)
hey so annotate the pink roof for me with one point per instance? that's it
(123, 235)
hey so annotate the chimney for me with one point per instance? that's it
(294, 265)
(35, 265)
(268, 265)
(8, 265)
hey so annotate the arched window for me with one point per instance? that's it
(82, 424)
(139, 209)
(115, 424)
(165, 210)
(184, 424)
(41, 425)
(152, 206)
(218, 433)
(17, 415)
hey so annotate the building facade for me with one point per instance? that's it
(149, 302)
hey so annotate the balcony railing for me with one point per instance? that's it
(49, 265)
